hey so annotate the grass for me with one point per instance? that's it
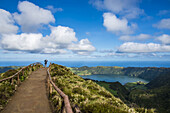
(87, 95)
(135, 85)
(107, 86)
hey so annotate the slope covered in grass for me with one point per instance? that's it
(147, 98)
(87, 95)
(155, 94)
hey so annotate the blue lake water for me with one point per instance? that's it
(94, 63)
(114, 78)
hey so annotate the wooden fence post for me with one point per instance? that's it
(51, 88)
(11, 81)
(18, 79)
(15, 87)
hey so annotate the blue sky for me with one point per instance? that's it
(114, 30)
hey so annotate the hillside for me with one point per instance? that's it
(158, 98)
(6, 68)
(88, 96)
(147, 73)
(116, 88)
(155, 94)
(160, 81)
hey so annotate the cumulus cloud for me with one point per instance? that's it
(116, 25)
(61, 40)
(165, 39)
(7, 23)
(63, 35)
(24, 42)
(137, 37)
(84, 47)
(131, 47)
(54, 10)
(163, 24)
(32, 17)
(127, 8)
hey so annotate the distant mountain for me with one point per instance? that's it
(147, 73)
(4, 69)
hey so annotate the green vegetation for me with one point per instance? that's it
(135, 85)
(145, 98)
(88, 96)
(124, 94)
(151, 97)
(106, 85)
(156, 96)
(7, 88)
(147, 73)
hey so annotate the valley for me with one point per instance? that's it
(154, 95)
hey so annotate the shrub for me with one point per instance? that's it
(87, 95)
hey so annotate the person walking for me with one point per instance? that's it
(45, 61)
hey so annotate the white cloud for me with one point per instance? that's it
(32, 17)
(116, 25)
(163, 24)
(131, 47)
(7, 23)
(84, 47)
(63, 35)
(24, 42)
(165, 39)
(127, 8)
(137, 37)
(117, 54)
(54, 10)
(60, 41)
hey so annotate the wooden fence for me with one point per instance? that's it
(11, 78)
(67, 106)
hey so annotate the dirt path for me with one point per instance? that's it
(31, 96)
